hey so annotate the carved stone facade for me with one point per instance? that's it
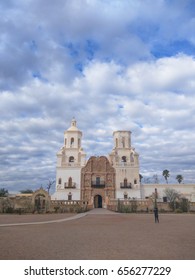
(97, 182)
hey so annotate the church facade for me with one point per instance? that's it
(100, 180)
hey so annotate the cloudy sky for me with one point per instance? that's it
(113, 65)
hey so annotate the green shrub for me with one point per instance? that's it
(178, 210)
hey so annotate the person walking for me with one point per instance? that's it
(156, 215)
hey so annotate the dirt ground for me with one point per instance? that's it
(98, 236)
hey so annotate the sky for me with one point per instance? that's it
(111, 64)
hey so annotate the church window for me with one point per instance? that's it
(124, 159)
(125, 196)
(69, 196)
(65, 141)
(125, 182)
(71, 159)
(59, 181)
(79, 143)
(123, 142)
(70, 182)
(116, 142)
(71, 141)
(97, 181)
(135, 181)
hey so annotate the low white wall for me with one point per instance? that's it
(186, 190)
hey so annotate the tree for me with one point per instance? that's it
(179, 178)
(27, 191)
(184, 204)
(3, 192)
(49, 185)
(166, 175)
(172, 197)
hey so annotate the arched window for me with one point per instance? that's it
(123, 142)
(135, 181)
(125, 182)
(131, 157)
(71, 159)
(59, 181)
(69, 196)
(97, 181)
(70, 182)
(71, 141)
(124, 159)
(79, 143)
(65, 142)
(116, 142)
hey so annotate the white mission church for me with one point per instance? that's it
(100, 180)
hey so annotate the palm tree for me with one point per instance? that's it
(166, 174)
(179, 178)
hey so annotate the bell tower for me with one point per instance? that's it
(72, 152)
(126, 162)
(70, 160)
(122, 139)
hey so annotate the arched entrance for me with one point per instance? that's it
(98, 201)
(40, 203)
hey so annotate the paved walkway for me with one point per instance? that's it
(95, 211)
(97, 235)
(101, 211)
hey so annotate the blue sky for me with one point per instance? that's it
(113, 65)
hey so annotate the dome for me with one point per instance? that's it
(73, 126)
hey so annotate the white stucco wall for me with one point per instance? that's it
(64, 173)
(131, 193)
(186, 190)
(128, 172)
(63, 194)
